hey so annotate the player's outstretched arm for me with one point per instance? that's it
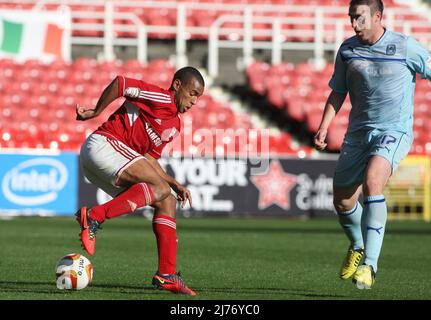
(183, 194)
(418, 58)
(108, 95)
(333, 104)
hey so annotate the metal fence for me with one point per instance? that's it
(247, 27)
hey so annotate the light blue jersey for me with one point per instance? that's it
(380, 80)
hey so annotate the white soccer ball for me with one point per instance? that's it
(73, 272)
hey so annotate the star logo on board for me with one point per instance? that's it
(274, 186)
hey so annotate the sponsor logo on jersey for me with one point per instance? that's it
(153, 135)
(168, 134)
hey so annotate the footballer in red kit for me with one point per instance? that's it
(121, 158)
(145, 123)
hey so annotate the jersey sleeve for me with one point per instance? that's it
(418, 58)
(124, 83)
(338, 80)
(150, 95)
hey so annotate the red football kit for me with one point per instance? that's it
(143, 124)
(146, 123)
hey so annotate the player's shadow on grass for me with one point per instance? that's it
(241, 229)
(120, 286)
(273, 292)
(49, 287)
(29, 287)
(247, 229)
(295, 230)
(113, 287)
(291, 229)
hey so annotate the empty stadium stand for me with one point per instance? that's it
(38, 100)
(38, 107)
(301, 91)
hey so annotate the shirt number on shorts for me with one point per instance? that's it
(387, 139)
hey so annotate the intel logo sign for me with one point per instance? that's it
(34, 182)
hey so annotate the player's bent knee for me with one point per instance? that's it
(166, 205)
(161, 191)
(171, 202)
(344, 205)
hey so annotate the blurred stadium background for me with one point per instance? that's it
(267, 64)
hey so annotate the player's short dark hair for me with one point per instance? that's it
(188, 73)
(375, 5)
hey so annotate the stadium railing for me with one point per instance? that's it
(248, 26)
(50, 101)
(301, 91)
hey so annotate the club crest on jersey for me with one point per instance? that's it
(391, 49)
(168, 134)
(153, 135)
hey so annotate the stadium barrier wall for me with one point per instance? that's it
(49, 183)
(42, 184)
(288, 187)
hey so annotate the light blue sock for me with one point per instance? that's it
(373, 228)
(351, 223)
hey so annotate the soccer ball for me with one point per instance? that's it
(73, 272)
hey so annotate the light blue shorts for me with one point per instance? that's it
(360, 146)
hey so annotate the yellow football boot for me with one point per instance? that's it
(351, 263)
(364, 277)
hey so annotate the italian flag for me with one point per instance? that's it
(33, 36)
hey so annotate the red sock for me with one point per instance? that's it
(135, 197)
(165, 229)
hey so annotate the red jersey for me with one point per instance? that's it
(146, 123)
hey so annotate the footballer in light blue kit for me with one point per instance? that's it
(377, 68)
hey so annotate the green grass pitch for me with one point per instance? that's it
(223, 258)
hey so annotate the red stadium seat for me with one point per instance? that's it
(275, 97)
(305, 91)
